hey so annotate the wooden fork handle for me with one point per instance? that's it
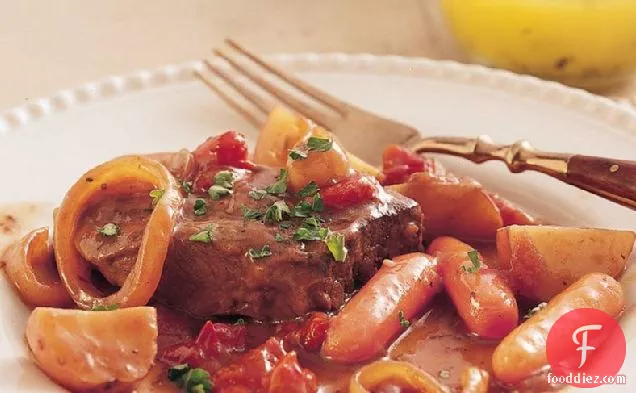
(609, 178)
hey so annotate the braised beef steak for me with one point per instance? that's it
(220, 278)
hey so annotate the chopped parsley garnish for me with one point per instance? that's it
(249, 214)
(280, 186)
(311, 222)
(474, 259)
(310, 234)
(279, 237)
(277, 211)
(336, 244)
(190, 380)
(302, 209)
(310, 230)
(309, 190)
(217, 192)
(222, 185)
(257, 195)
(319, 144)
(111, 307)
(257, 253)
(110, 229)
(403, 321)
(156, 195)
(204, 236)
(317, 204)
(186, 186)
(224, 179)
(200, 207)
(297, 155)
(305, 209)
(285, 225)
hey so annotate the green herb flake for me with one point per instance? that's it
(309, 190)
(217, 192)
(156, 195)
(297, 155)
(302, 209)
(403, 321)
(311, 222)
(111, 307)
(285, 225)
(317, 204)
(109, 230)
(475, 262)
(279, 238)
(444, 374)
(224, 179)
(319, 144)
(249, 214)
(277, 211)
(258, 253)
(280, 186)
(257, 195)
(306, 209)
(200, 207)
(204, 236)
(336, 244)
(190, 380)
(310, 234)
(186, 186)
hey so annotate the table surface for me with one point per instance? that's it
(48, 45)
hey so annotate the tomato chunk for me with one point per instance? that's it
(308, 334)
(217, 338)
(214, 339)
(289, 377)
(181, 353)
(314, 332)
(349, 192)
(229, 148)
(225, 150)
(266, 369)
(399, 163)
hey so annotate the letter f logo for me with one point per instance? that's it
(584, 348)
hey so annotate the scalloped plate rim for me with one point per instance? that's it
(621, 115)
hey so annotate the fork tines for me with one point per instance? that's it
(253, 87)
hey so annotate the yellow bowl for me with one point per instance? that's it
(584, 43)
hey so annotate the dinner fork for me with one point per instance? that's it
(366, 134)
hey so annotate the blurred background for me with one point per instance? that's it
(47, 45)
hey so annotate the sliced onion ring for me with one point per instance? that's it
(31, 269)
(144, 278)
(402, 374)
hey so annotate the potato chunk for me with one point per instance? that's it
(544, 260)
(451, 206)
(93, 350)
(282, 130)
(324, 167)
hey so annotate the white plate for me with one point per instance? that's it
(166, 110)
